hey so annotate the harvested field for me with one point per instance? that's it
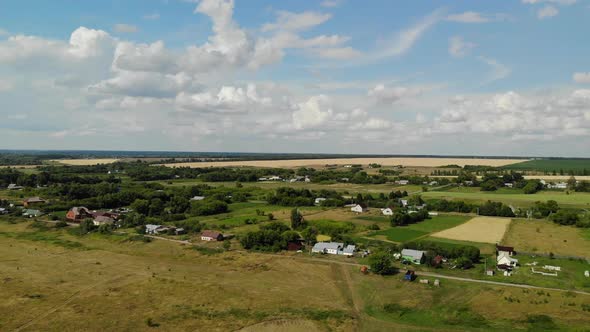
(426, 162)
(283, 325)
(478, 229)
(84, 162)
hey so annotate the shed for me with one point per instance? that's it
(209, 235)
(413, 256)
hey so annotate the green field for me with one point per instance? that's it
(414, 231)
(573, 199)
(568, 166)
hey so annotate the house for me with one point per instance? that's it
(103, 220)
(503, 261)
(3, 211)
(357, 208)
(558, 185)
(508, 185)
(209, 235)
(432, 214)
(490, 273)
(509, 250)
(433, 183)
(327, 247)
(319, 200)
(33, 201)
(152, 229)
(13, 186)
(348, 250)
(413, 256)
(387, 212)
(402, 182)
(78, 213)
(198, 198)
(111, 215)
(404, 202)
(30, 213)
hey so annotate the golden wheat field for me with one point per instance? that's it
(408, 162)
(478, 229)
(85, 162)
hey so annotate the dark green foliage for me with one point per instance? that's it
(565, 217)
(208, 207)
(297, 221)
(381, 263)
(446, 250)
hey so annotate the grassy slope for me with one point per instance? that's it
(112, 284)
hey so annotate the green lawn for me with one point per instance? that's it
(414, 231)
(580, 200)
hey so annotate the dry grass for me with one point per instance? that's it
(84, 162)
(425, 162)
(284, 325)
(556, 177)
(544, 237)
(478, 229)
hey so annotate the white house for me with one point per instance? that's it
(508, 185)
(357, 208)
(505, 259)
(3, 211)
(404, 202)
(319, 200)
(198, 198)
(152, 229)
(333, 248)
(387, 212)
(558, 185)
(402, 182)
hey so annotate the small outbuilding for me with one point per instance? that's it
(209, 235)
(33, 201)
(413, 256)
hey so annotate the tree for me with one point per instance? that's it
(297, 219)
(381, 263)
(270, 217)
(86, 226)
(141, 206)
(571, 183)
(310, 235)
(226, 244)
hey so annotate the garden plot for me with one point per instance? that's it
(479, 229)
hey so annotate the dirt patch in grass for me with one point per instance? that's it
(478, 229)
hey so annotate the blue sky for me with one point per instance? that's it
(338, 76)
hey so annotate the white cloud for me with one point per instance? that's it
(406, 39)
(145, 84)
(391, 95)
(125, 28)
(153, 16)
(340, 53)
(312, 113)
(330, 3)
(458, 47)
(289, 21)
(557, 2)
(3, 32)
(475, 17)
(227, 99)
(499, 70)
(547, 12)
(581, 77)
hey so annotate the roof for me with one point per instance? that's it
(349, 249)
(31, 212)
(80, 209)
(35, 199)
(198, 198)
(504, 248)
(321, 246)
(14, 186)
(104, 219)
(149, 227)
(211, 234)
(416, 254)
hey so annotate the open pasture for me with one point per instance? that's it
(544, 237)
(573, 199)
(575, 166)
(416, 161)
(478, 229)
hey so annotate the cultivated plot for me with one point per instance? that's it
(479, 229)
(84, 162)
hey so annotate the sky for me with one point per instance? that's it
(466, 77)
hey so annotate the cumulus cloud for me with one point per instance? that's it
(547, 12)
(390, 95)
(458, 47)
(581, 77)
(227, 99)
(312, 113)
